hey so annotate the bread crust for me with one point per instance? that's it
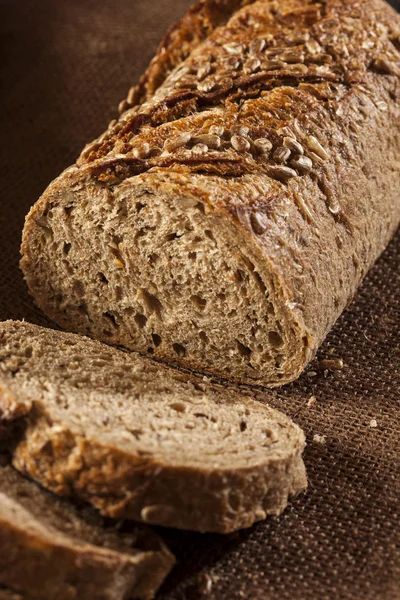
(316, 229)
(41, 561)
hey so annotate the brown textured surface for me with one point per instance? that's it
(66, 66)
(320, 231)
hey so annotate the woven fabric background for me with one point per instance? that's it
(64, 67)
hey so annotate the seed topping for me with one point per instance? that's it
(281, 173)
(240, 143)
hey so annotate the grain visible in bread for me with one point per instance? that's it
(138, 440)
(225, 221)
(50, 549)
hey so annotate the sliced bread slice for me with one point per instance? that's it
(50, 549)
(139, 440)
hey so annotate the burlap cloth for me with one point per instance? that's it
(65, 65)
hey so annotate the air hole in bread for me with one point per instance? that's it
(170, 237)
(102, 277)
(140, 320)
(200, 207)
(275, 339)
(156, 339)
(248, 263)
(210, 235)
(119, 261)
(243, 426)
(192, 255)
(243, 350)
(139, 234)
(152, 303)
(240, 275)
(153, 258)
(203, 336)
(199, 302)
(260, 282)
(199, 415)
(178, 406)
(198, 387)
(111, 318)
(139, 206)
(66, 248)
(150, 350)
(179, 349)
(68, 210)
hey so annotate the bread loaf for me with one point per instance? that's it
(224, 222)
(49, 549)
(141, 441)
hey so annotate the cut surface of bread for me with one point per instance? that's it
(50, 549)
(140, 440)
(226, 220)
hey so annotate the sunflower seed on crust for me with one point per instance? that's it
(234, 48)
(263, 144)
(217, 130)
(200, 149)
(259, 223)
(251, 65)
(239, 130)
(293, 145)
(315, 146)
(281, 172)
(208, 85)
(257, 46)
(141, 150)
(239, 143)
(302, 164)
(281, 154)
(211, 140)
(177, 142)
(203, 71)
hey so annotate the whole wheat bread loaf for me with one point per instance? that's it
(224, 222)
(138, 440)
(49, 549)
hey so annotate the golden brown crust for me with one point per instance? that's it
(222, 500)
(324, 49)
(181, 39)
